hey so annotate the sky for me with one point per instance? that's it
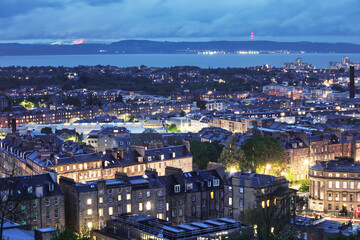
(62, 21)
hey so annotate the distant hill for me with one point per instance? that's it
(154, 47)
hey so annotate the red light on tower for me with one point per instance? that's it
(252, 35)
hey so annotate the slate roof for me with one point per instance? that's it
(337, 165)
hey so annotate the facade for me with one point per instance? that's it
(36, 200)
(178, 197)
(334, 187)
(36, 154)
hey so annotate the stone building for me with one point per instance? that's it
(35, 200)
(334, 187)
(178, 197)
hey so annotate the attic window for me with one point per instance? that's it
(189, 186)
(209, 183)
(216, 182)
(140, 159)
(30, 189)
(173, 155)
(51, 187)
(149, 158)
(177, 188)
(161, 157)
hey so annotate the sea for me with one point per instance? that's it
(168, 60)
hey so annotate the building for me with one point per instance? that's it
(146, 227)
(334, 187)
(35, 200)
(178, 197)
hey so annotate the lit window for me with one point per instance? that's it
(89, 201)
(111, 211)
(101, 200)
(119, 197)
(263, 204)
(148, 194)
(128, 208)
(148, 206)
(128, 196)
(268, 203)
(101, 212)
(89, 211)
(212, 195)
(230, 201)
(90, 225)
(140, 207)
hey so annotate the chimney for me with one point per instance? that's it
(352, 82)
(13, 124)
(139, 149)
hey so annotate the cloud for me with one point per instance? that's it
(182, 19)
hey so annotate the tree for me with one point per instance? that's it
(15, 191)
(74, 101)
(262, 151)
(233, 158)
(171, 128)
(182, 114)
(46, 130)
(204, 152)
(65, 233)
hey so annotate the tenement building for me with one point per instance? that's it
(178, 197)
(35, 200)
(24, 154)
(335, 187)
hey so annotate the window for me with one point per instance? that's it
(89, 201)
(90, 225)
(119, 197)
(111, 211)
(35, 216)
(216, 182)
(177, 188)
(140, 194)
(160, 193)
(47, 214)
(352, 185)
(263, 204)
(47, 201)
(140, 207)
(193, 198)
(336, 196)
(34, 203)
(56, 200)
(337, 184)
(344, 185)
(230, 201)
(330, 184)
(329, 196)
(89, 211)
(101, 212)
(148, 206)
(30, 189)
(180, 212)
(241, 190)
(110, 199)
(344, 197)
(160, 205)
(329, 207)
(128, 196)
(128, 208)
(148, 194)
(56, 213)
(212, 195)
(189, 186)
(101, 199)
(209, 183)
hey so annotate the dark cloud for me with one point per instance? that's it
(180, 19)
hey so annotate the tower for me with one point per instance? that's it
(352, 82)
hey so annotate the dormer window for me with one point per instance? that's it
(209, 183)
(30, 189)
(149, 158)
(189, 186)
(177, 188)
(162, 157)
(140, 159)
(173, 155)
(51, 187)
(216, 182)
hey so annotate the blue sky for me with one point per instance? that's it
(179, 20)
